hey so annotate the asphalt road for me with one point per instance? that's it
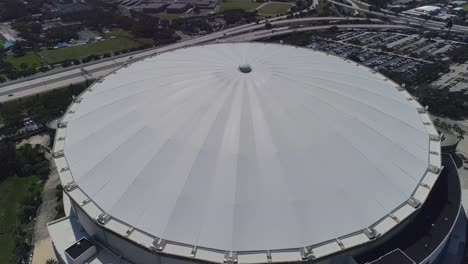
(55, 80)
(75, 75)
(240, 33)
(47, 209)
(257, 35)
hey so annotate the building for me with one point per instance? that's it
(458, 3)
(8, 44)
(206, 5)
(177, 8)
(173, 6)
(254, 153)
(70, 8)
(459, 10)
(449, 140)
(154, 7)
(432, 10)
(423, 11)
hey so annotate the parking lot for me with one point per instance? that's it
(455, 80)
(397, 52)
(376, 59)
(401, 43)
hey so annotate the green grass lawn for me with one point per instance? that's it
(246, 5)
(13, 190)
(466, 7)
(274, 8)
(30, 59)
(97, 48)
(119, 33)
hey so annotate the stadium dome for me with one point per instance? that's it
(249, 147)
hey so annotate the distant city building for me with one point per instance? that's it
(57, 23)
(9, 35)
(153, 7)
(424, 11)
(458, 3)
(8, 44)
(170, 6)
(459, 10)
(177, 8)
(29, 125)
(69, 8)
(432, 10)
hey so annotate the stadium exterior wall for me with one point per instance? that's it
(132, 252)
(434, 256)
(139, 254)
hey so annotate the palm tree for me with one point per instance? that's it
(460, 132)
(51, 261)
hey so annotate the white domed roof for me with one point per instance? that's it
(304, 148)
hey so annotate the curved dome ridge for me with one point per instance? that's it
(232, 146)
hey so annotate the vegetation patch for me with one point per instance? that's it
(2, 41)
(442, 103)
(14, 190)
(118, 33)
(29, 60)
(97, 48)
(247, 5)
(168, 16)
(24, 172)
(42, 107)
(275, 8)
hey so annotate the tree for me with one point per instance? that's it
(454, 128)
(333, 29)
(12, 9)
(430, 35)
(22, 248)
(61, 34)
(459, 131)
(31, 161)
(441, 102)
(8, 164)
(66, 63)
(354, 57)
(459, 55)
(51, 261)
(18, 49)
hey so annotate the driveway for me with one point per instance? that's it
(42, 245)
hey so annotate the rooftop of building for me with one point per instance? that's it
(237, 158)
(78, 248)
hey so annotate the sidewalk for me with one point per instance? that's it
(43, 248)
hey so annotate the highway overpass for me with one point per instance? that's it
(247, 32)
(54, 80)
